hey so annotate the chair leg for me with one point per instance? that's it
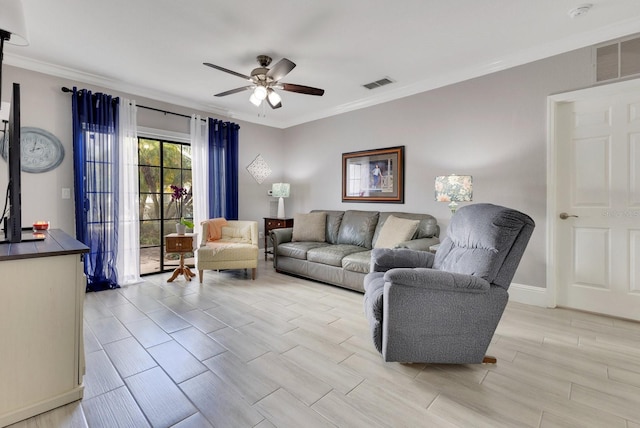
(488, 359)
(253, 273)
(200, 275)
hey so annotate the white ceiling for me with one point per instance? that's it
(155, 48)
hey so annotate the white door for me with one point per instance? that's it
(597, 206)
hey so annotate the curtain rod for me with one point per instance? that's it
(65, 89)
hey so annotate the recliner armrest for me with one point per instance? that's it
(383, 259)
(433, 279)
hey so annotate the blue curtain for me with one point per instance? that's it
(95, 163)
(223, 169)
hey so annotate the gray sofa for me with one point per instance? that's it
(338, 250)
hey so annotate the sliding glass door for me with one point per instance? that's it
(161, 165)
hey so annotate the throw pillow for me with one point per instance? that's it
(309, 227)
(396, 230)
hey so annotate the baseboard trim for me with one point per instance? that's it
(528, 294)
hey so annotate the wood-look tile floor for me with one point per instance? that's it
(285, 352)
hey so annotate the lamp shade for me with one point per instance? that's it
(274, 97)
(280, 190)
(260, 92)
(254, 100)
(454, 188)
(12, 22)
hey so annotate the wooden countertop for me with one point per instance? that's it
(56, 243)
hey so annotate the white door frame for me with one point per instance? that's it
(552, 213)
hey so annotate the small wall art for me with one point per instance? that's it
(259, 169)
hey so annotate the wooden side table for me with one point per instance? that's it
(181, 244)
(271, 223)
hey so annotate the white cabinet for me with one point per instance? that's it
(41, 347)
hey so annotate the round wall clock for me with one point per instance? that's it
(40, 150)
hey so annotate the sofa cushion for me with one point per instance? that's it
(298, 250)
(394, 231)
(334, 219)
(427, 228)
(357, 228)
(309, 227)
(332, 254)
(358, 262)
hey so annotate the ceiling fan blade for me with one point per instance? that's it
(281, 69)
(233, 91)
(308, 90)
(226, 70)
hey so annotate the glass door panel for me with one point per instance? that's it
(161, 165)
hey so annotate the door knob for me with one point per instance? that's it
(564, 216)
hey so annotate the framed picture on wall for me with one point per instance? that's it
(373, 175)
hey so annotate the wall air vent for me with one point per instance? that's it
(617, 60)
(378, 83)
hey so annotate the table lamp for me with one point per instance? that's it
(453, 189)
(281, 191)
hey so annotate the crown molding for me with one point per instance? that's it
(572, 42)
(109, 83)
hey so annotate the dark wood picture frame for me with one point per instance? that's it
(373, 175)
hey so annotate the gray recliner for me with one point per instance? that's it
(445, 307)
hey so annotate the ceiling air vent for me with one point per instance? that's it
(617, 60)
(378, 83)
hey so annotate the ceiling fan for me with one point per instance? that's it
(265, 81)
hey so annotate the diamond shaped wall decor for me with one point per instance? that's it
(259, 169)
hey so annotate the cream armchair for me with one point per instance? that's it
(237, 247)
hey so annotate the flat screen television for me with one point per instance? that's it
(14, 223)
(13, 231)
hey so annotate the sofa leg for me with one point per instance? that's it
(200, 275)
(253, 273)
(488, 359)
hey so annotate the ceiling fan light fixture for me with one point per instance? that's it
(264, 80)
(260, 92)
(254, 100)
(274, 98)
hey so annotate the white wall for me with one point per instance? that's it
(493, 128)
(45, 106)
